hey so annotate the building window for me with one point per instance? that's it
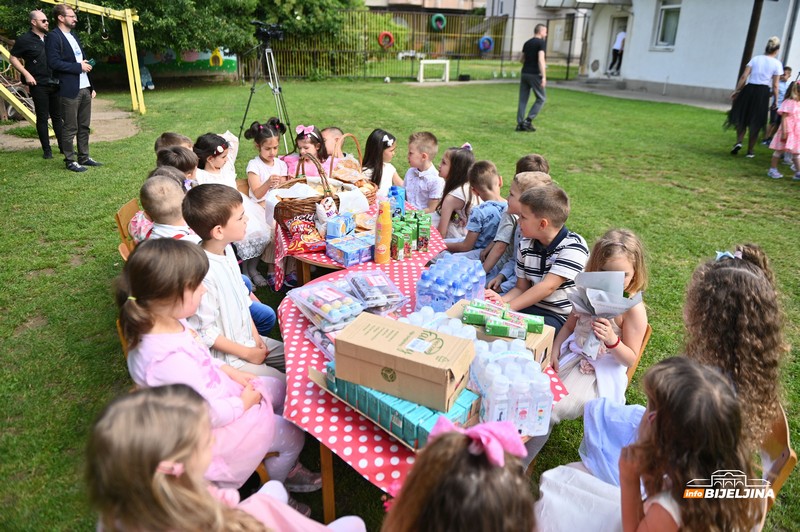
(569, 26)
(668, 13)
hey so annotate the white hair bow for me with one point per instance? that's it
(386, 140)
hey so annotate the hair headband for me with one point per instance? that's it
(307, 131)
(466, 146)
(728, 255)
(174, 469)
(219, 149)
(493, 439)
(386, 140)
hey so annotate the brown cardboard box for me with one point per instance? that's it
(540, 344)
(416, 364)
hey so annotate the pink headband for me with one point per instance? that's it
(306, 131)
(493, 439)
(166, 467)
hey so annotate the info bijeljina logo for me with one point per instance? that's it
(728, 484)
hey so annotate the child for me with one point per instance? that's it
(378, 156)
(787, 138)
(774, 117)
(692, 428)
(140, 225)
(162, 285)
(309, 142)
(184, 159)
(146, 457)
(484, 218)
(498, 257)
(161, 198)
(330, 136)
(168, 139)
(619, 250)
(533, 162)
(423, 185)
(465, 480)
(217, 155)
(452, 211)
(216, 214)
(548, 258)
(265, 171)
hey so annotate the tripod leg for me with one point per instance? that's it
(280, 104)
(256, 75)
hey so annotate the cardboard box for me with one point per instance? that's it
(540, 344)
(416, 364)
(349, 250)
(340, 225)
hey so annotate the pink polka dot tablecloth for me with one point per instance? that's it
(376, 455)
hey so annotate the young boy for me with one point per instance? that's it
(223, 320)
(330, 136)
(498, 258)
(161, 198)
(774, 117)
(485, 217)
(533, 162)
(168, 139)
(424, 187)
(181, 158)
(548, 259)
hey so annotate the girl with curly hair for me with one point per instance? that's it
(692, 428)
(734, 322)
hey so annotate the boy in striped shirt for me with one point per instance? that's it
(548, 258)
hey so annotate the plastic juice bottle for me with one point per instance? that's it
(497, 400)
(520, 399)
(541, 405)
(383, 232)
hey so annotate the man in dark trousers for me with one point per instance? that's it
(43, 88)
(68, 63)
(534, 77)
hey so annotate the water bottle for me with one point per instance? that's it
(541, 405)
(490, 373)
(440, 295)
(520, 399)
(482, 358)
(512, 370)
(518, 345)
(459, 292)
(424, 296)
(497, 400)
(531, 369)
(499, 346)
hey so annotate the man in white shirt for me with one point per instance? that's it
(616, 54)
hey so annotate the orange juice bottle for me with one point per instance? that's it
(383, 232)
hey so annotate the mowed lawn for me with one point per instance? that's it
(661, 170)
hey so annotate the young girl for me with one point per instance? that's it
(146, 458)
(161, 286)
(734, 322)
(787, 138)
(619, 250)
(692, 428)
(378, 156)
(308, 141)
(452, 212)
(216, 158)
(466, 480)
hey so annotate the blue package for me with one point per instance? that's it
(470, 402)
(424, 429)
(398, 417)
(397, 200)
(330, 377)
(411, 422)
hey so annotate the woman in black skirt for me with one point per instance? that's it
(751, 99)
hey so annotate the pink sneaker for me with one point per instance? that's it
(301, 480)
(300, 507)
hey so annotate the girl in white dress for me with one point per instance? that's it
(378, 155)
(452, 212)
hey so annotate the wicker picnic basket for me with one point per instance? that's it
(288, 208)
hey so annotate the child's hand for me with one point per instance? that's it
(629, 465)
(257, 354)
(494, 284)
(485, 251)
(274, 181)
(240, 377)
(250, 396)
(604, 332)
(554, 363)
(494, 297)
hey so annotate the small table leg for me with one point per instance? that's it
(326, 464)
(305, 272)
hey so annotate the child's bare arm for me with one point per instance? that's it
(432, 203)
(397, 180)
(535, 293)
(449, 206)
(634, 326)
(494, 255)
(254, 355)
(467, 244)
(563, 334)
(486, 251)
(259, 190)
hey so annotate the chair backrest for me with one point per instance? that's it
(778, 459)
(632, 368)
(123, 218)
(122, 340)
(244, 186)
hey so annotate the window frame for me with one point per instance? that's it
(665, 8)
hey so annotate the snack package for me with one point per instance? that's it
(499, 327)
(303, 235)
(341, 225)
(478, 316)
(377, 291)
(423, 232)
(327, 301)
(326, 209)
(533, 324)
(398, 245)
(322, 340)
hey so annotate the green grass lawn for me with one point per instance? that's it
(661, 170)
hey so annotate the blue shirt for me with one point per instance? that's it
(484, 219)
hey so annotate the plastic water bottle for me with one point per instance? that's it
(512, 370)
(427, 313)
(497, 400)
(415, 318)
(482, 358)
(459, 292)
(518, 345)
(424, 295)
(490, 373)
(440, 295)
(541, 405)
(520, 399)
(499, 346)
(531, 369)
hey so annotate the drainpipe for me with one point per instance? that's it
(790, 32)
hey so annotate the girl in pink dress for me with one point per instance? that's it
(146, 458)
(160, 287)
(309, 142)
(787, 138)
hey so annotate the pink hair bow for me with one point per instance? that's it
(305, 130)
(494, 439)
(174, 469)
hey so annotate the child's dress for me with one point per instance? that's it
(241, 437)
(790, 124)
(258, 234)
(264, 171)
(309, 168)
(386, 178)
(139, 227)
(587, 379)
(458, 220)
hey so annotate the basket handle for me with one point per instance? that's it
(338, 146)
(326, 187)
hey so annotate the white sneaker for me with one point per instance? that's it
(793, 168)
(774, 173)
(796, 177)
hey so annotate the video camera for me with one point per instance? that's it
(267, 32)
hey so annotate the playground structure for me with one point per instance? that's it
(15, 94)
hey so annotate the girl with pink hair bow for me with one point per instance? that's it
(309, 142)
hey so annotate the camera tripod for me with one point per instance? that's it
(266, 54)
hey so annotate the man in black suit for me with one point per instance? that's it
(37, 76)
(68, 63)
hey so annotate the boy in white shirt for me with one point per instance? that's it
(424, 187)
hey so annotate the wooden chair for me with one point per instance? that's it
(632, 368)
(778, 459)
(122, 340)
(243, 186)
(123, 218)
